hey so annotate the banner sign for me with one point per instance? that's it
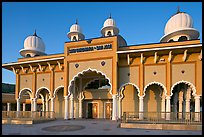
(93, 48)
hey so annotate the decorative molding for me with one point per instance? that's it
(128, 59)
(170, 56)
(185, 55)
(158, 83)
(187, 83)
(200, 56)
(59, 65)
(51, 67)
(155, 57)
(142, 58)
(88, 70)
(32, 68)
(121, 89)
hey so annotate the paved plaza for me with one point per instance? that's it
(85, 127)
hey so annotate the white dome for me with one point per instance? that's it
(177, 22)
(109, 22)
(75, 28)
(33, 45)
(180, 24)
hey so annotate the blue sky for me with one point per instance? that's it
(138, 22)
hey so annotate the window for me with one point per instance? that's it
(28, 55)
(97, 84)
(182, 38)
(171, 40)
(74, 38)
(109, 33)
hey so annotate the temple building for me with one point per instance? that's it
(104, 77)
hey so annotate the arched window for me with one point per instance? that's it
(74, 38)
(182, 38)
(109, 33)
(28, 55)
(171, 40)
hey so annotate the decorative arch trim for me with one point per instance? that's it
(22, 90)
(56, 90)
(129, 83)
(38, 90)
(159, 84)
(85, 71)
(185, 82)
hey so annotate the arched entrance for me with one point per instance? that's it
(128, 99)
(42, 97)
(59, 102)
(25, 99)
(182, 100)
(154, 99)
(90, 95)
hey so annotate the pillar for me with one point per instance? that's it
(141, 107)
(66, 107)
(168, 107)
(114, 112)
(119, 107)
(188, 97)
(34, 104)
(197, 108)
(24, 106)
(52, 107)
(72, 106)
(18, 107)
(8, 106)
(47, 105)
(163, 106)
(180, 104)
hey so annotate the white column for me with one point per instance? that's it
(141, 107)
(80, 108)
(52, 107)
(8, 106)
(163, 106)
(72, 105)
(52, 104)
(66, 107)
(18, 107)
(34, 104)
(24, 106)
(180, 104)
(168, 107)
(114, 112)
(119, 107)
(47, 105)
(197, 108)
(188, 97)
(43, 105)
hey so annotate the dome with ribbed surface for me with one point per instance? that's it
(75, 32)
(75, 28)
(33, 45)
(109, 26)
(177, 22)
(179, 25)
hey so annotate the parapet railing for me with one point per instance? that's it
(34, 115)
(163, 117)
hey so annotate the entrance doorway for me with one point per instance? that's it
(108, 110)
(92, 110)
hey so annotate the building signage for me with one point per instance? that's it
(93, 48)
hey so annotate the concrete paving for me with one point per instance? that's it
(85, 127)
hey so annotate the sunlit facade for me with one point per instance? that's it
(104, 77)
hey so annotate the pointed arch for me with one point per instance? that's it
(129, 83)
(157, 83)
(56, 90)
(28, 90)
(85, 71)
(39, 89)
(185, 82)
